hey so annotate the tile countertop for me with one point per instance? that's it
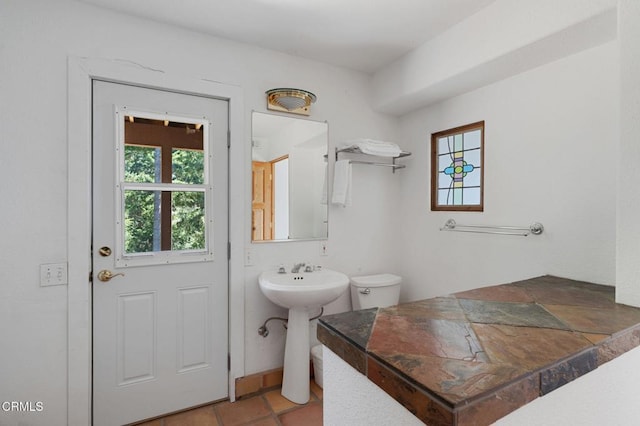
(475, 356)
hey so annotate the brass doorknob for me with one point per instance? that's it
(106, 275)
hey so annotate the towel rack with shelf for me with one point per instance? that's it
(356, 150)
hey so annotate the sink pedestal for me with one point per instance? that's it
(300, 293)
(295, 380)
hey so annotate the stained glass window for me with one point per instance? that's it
(457, 168)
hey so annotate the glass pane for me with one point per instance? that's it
(444, 180)
(473, 157)
(472, 178)
(457, 196)
(142, 221)
(142, 164)
(147, 228)
(457, 145)
(472, 139)
(471, 196)
(443, 197)
(444, 161)
(443, 145)
(163, 151)
(187, 221)
(188, 166)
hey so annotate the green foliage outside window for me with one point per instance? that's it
(187, 223)
(143, 208)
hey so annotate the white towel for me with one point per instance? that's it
(374, 147)
(342, 183)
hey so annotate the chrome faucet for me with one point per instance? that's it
(296, 268)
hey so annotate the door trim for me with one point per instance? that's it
(81, 73)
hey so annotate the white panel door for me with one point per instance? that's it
(160, 262)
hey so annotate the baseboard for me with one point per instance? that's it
(257, 382)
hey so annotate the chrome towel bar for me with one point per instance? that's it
(535, 228)
(372, 163)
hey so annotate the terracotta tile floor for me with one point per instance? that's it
(268, 408)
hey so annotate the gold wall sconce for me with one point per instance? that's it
(296, 101)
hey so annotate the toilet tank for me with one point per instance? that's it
(371, 291)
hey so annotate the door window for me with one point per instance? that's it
(164, 186)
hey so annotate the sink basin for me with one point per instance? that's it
(300, 292)
(304, 289)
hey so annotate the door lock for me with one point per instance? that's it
(106, 275)
(104, 251)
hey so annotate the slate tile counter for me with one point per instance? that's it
(473, 357)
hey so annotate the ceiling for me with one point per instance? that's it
(362, 35)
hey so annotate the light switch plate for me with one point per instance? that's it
(53, 274)
(249, 257)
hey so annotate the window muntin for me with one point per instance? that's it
(457, 168)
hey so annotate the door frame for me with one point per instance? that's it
(81, 73)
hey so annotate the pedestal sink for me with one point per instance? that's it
(300, 293)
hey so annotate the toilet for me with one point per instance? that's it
(375, 291)
(368, 291)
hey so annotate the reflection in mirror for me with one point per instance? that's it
(289, 200)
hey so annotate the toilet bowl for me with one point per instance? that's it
(368, 291)
(375, 291)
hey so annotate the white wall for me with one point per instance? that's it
(37, 36)
(550, 156)
(350, 398)
(628, 206)
(503, 39)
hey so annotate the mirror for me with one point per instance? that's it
(289, 178)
